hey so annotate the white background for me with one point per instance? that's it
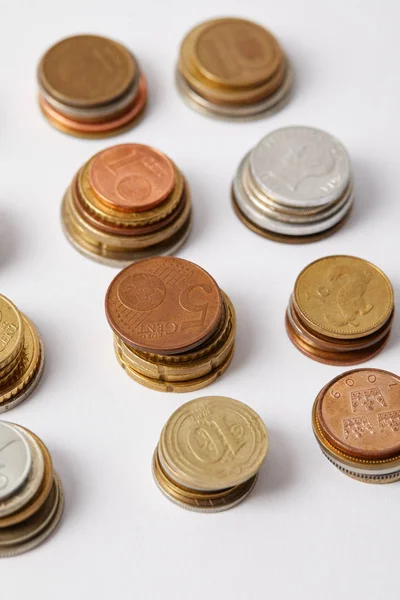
(307, 531)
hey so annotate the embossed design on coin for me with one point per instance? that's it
(301, 165)
(373, 432)
(132, 177)
(344, 295)
(214, 443)
(236, 52)
(141, 291)
(86, 69)
(10, 331)
(189, 312)
(15, 460)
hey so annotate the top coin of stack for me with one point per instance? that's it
(233, 68)
(295, 186)
(91, 86)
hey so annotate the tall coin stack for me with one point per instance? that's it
(233, 68)
(174, 329)
(31, 494)
(356, 421)
(295, 186)
(209, 454)
(341, 311)
(127, 203)
(21, 356)
(91, 86)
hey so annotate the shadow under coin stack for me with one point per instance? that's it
(356, 421)
(234, 69)
(21, 356)
(174, 329)
(31, 494)
(91, 86)
(127, 203)
(341, 310)
(209, 454)
(295, 186)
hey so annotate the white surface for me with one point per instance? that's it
(307, 531)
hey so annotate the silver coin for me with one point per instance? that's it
(270, 105)
(271, 224)
(373, 474)
(35, 477)
(42, 534)
(301, 166)
(15, 460)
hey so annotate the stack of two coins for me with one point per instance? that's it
(91, 86)
(174, 329)
(295, 186)
(127, 203)
(234, 69)
(341, 311)
(31, 494)
(209, 454)
(21, 356)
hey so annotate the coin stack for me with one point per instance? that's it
(209, 454)
(21, 356)
(356, 421)
(234, 69)
(341, 310)
(91, 86)
(31, 494)
(174, 329)
(127, 203)
(295, 186)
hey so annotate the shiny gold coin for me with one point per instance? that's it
(11, 333)
(86, 71)
(343, 297)
(213, 443)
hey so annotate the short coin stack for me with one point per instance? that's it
(31, 494)
(341, 310)
(356, 421)
(91, 86)
(21, 356)
(127, 203)
(209, 454)
(233, 68)
(174, 329)
(295, 186)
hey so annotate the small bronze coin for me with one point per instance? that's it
(358, 413)
(86, 71)
(132, 177)
(343, 297)
(11, 333)
(164, 305)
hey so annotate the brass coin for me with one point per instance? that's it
(213, 443)
(11, 332)
(86, 71)
(343, 297)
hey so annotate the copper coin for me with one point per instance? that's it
(164, 305)
(86, 70)
(106, 127)
(359, 413)
(132, 177)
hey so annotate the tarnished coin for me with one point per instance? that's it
(132, 177)
(343, 297)
(300, 166)
(15, 460)
(11, 332)
(86, 70)
(213, 443)
(164, 305)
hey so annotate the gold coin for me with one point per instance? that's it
(235, 52)
(213, 443)
(86, 71)
(11, 332)
(343, 297)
